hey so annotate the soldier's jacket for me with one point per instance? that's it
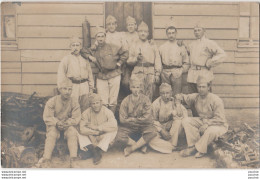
(104, 120)
(108, 56)
(211, 108)
(204, 53)
(151, 57)
(115, 38)
(140, 110)
(129, 39)
(57, 109)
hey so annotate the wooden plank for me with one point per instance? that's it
(254, 8)
(12, 55)
(38, 31)
(247, 60)
(11, 78)
(189, 34)
(246, 79)
(238, 89)
(236, 117)
(147, 15)
(10, 67)
(224, 68)
(60, 8)
(230, 56)
(11, 88)
(241, 102)
(190, 21)
(60, 20)
(36, 79)
(45, 43)
(40, 67)
(247, 54)
(128, 11)
(254, 28)
(222, 79)
(200, 9)
(43, 55)
(138, 12)
(41, 90)
(227, 45)
(246, 69)
(109, 8)
(119, 15)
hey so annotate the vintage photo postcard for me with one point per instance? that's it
(130, 85)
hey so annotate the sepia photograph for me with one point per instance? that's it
(130, 85)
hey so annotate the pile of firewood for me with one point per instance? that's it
(238, 148)
(22, 129)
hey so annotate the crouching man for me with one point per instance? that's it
(209, 121)
(61, 114)
(168, 114)
(135, 120)
(98, 128)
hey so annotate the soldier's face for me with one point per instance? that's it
(135, 89)
(75, 48)
(101, 38)
(65, 92)
(143, 34)
(166, 95)
(96, 106)
(131, 27)
(111, 27)
(198, 32)
(203, 89)
(171, 34)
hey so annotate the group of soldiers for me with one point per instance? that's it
(130, 59)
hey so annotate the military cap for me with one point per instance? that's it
(130, 20)
(199, 25)
(100, 30)
(65, 83)
(110, 19)
(94, 97)
(202, 80)
(75, 40)
(143, 26)
(165, 86)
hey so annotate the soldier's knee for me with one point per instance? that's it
(149, 136)
(211, 131)
(185, 121)
(71, 132)
(52, 133)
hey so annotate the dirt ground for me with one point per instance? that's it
(115, 159)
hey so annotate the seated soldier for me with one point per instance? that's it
(168, 114)
(209, 121)
(135, 119)
(98, 128)
(61, 114)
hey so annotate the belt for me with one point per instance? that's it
(170, 66)
(197, 67)
(144, 64)
(78, 81)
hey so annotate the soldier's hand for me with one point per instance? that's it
(60, 126)
(165, 134)
(157, 79)
(118, 64)
(93, 59)
(203, 128)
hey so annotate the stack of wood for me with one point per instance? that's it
(238, 148)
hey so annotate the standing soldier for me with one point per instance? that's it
(146, 59)
(204, 54)
(210, 121)
(174, 61)
(61, 114)
(108, 58)
(130, 37)
(76, 69)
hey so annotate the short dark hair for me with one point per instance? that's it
(171, 27)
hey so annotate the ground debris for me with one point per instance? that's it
(239, 148)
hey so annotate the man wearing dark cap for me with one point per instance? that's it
(208, 124)
(98, 128)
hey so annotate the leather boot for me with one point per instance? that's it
(97, 156)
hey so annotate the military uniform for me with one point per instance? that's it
(204, 54)
(212, 109)
(105, 121)
(57, 109)
(175, 62)
(146, 69)
(77, 70)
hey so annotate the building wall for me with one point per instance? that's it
(43, 31)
